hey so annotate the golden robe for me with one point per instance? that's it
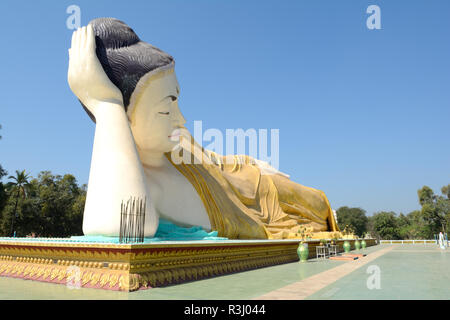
(244, 203)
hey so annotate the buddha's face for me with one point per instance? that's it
(155, 118)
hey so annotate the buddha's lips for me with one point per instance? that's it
(175, 134)
(173, 138)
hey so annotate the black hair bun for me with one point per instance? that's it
(124, 57)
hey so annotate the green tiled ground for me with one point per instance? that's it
(407, 272)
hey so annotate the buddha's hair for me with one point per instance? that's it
(124, 57)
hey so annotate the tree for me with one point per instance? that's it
(443, 205)
(384, 225)
(61, 203)
(2, 172)
(18, 187)
(355, 218)
(53, 208)
(426, 195)
(435, 209)
(3, 194)
(419, 228)
(446, 191)
(28, 218)
(404, 226)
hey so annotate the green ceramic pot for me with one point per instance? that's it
(347, 246)
(363, 244)
(357, 245)
(303, 252)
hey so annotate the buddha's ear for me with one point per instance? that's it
(130, 114)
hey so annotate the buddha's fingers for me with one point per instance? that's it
(78, 42)
(85, 38)
(82, 40)
(90, 38)
(73, 59)
(74, 40)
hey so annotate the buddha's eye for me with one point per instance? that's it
(165, 113)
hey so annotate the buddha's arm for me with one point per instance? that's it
(116, 174)
(116, 171)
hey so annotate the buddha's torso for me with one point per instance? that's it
(174, 197)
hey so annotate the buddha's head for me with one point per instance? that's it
(145, 75)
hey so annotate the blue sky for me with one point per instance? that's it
(363, 114)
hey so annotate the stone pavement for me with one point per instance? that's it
(308, 286)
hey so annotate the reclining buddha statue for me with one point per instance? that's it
(129, 89)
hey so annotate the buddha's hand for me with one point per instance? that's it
(87, 79)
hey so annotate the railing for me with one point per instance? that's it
(408, 241)
(132, 220)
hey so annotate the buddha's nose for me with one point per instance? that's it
(178, 119)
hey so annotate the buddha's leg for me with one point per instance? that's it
(279, 218)
(307, 202)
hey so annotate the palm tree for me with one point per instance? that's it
(20, 185)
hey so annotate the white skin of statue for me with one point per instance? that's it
(128, 153)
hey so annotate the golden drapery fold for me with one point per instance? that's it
(244, 203)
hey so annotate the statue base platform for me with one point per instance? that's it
(130, 267)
